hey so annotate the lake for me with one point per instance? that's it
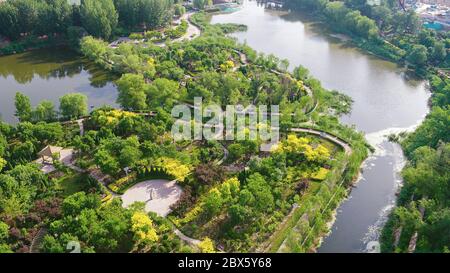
(47, 74)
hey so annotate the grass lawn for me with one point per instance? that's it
(72, 183)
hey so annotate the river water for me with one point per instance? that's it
(386, 100)
(48, 74)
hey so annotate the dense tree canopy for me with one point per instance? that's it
(34, 16)
(153, 13)
(99, 17)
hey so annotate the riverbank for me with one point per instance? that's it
(384, 97)
(416, 234)
(378, 46)
(31, 43)
(333, 190)
(394, 234)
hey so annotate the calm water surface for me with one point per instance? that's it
(48, 74)
(385, 100)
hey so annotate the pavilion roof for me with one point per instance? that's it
(49, 151)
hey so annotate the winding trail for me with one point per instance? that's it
(334, 139)
(192, 32)
(347, 148)
(189, 240)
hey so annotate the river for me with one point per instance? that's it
(386, 100)
(47, 74)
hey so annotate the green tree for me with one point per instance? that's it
(213, 202)
(260, 190)
(418, 55)
(156, 13)
(4, 248)
(73, 105)
(28, 14)
(439, 52)
(19, 188)
(45, 111)
(132, 92)
(107, 163)
(23, 107)
(74, 36)
(3, 163)
(179, 9)
(201, 4)
(99, 17)
(382, 15)
(4, 231)
(163, 92)
(130, 154)
(54, 17)
(9, 20)
(129, 12)
(74, 204)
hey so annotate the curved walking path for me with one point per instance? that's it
(192, 32)
(347, 148)
(189, 240)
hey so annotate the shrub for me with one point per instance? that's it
(136, 36)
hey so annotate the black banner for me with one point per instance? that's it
(166, 263)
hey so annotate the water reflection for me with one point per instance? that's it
(50, 73)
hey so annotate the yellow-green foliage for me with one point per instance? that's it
(230, 187)
(191, 215)
(300, 145)
(300, 85)
(143, 229)
(225, 191)
(107, 198)
(110, 118)
(320, 175)
(228, 65)
(173, 167)
(2, 163)
(115, 187)
(206, 246)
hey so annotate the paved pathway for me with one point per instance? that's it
(335, 140)
(192, 32)
(189, 240)
(81, 125)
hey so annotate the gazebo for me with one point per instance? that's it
(47, 153)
